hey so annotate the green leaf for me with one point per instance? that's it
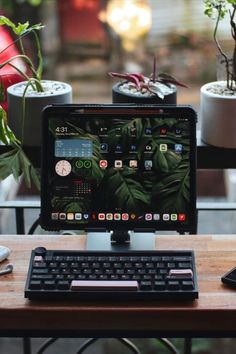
(122, 188)
(17, 163)
(20, 28)
(6, 134)
(17, 29)
(173, 189)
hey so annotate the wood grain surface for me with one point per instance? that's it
(213, 314)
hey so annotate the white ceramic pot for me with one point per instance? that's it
(218, 118)
(57, 92)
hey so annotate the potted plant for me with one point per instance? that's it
(21, 125)
(137, 88)
(218, 99)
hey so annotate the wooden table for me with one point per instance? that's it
(213, 314)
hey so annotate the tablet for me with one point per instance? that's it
(122, 167)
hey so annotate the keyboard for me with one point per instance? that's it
(55, 274)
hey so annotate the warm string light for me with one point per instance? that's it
(130, 19)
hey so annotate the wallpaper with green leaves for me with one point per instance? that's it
(164, 188)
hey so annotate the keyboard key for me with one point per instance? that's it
(184, 265)
(173, 285)
(159, 285)
(40, 271)
(181, 273)
(35, 284)
(145, 285)
(187, 285)
(49, 284)
(63, 285)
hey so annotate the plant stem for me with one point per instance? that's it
(40, 58)
(154, 73)
(220, 49)
(21, 46)
(233, 32)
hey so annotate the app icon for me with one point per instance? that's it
(94, 216)
(174, 217)
(79, 164)
(166, 217)
(163, 147)
(103, 131)
(148, 131)
(109, 216)
(132, 216)
(163, 131)
(148, 164)
(83, 164)
(62, 216)
(86, 216)
(133, 131)
(87, 163)
(70, 216)
(156, 217)
(125, 216)
(54, 216)
(182, 217)
(148, 148)
(118, 148)
(117, 216)
(148, 217)
(103, 164)
(118, 131)
(133, 163)
(118, 163)
(63, 168)
(104, 147)
(133, 147)
(78, 216)
(178, 147)
(178, 132)
(101, 216)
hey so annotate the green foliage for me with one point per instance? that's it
(174, 188)
(217, 10)
(15, 161)
(215, 7)
(20, 30)
(7, 137)
(121, 188)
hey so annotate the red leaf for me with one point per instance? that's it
(168, 79)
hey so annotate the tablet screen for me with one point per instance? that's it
(126, 171)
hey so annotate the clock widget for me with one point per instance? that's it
(63, 168)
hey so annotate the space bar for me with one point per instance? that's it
(101, 285)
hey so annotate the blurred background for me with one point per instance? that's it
(85, 39)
